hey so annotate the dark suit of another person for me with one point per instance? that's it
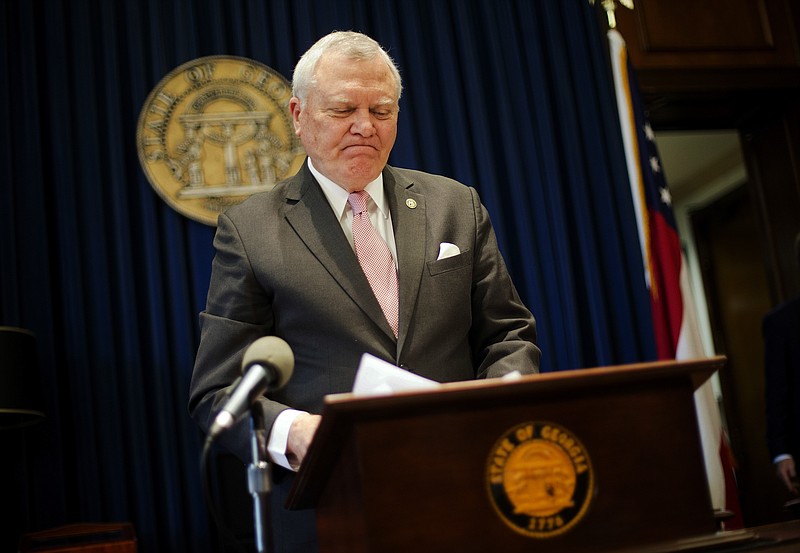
(284, 267)
(782, 364)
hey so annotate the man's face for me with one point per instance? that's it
(348, 124)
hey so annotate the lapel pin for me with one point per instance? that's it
(411, 203)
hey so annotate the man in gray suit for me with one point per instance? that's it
(287, 264)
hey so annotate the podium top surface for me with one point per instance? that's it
(698, 370)
(342, 411)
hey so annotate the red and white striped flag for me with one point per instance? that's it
(674, 314)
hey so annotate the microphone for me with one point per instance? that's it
(267, 365)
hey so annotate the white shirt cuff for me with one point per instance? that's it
(780, 458)
(279, 436)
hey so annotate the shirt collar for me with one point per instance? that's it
(337, 196)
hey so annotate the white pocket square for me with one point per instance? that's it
(446, 249)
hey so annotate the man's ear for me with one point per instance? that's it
(295, 108)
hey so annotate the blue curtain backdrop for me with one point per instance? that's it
(513, 97)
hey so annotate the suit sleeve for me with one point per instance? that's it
(503, 332)
(238, 312)
(778, 389)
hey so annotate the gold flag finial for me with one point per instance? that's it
(609, 6)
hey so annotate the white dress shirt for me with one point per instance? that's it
(381, 218)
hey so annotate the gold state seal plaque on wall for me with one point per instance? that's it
(214, 131)
(540, 479)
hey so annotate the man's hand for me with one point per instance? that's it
(786, 473)
(300, 435)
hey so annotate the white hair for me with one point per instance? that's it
(352, 45)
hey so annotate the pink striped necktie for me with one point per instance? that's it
(375, 258)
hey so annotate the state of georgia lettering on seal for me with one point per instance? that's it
(214, 131)
(539, 479)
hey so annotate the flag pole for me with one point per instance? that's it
(610, 6)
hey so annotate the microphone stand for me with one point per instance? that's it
(258, 478)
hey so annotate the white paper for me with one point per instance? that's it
(377, 377)
(513, 375)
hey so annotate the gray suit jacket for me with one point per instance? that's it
(284, 267)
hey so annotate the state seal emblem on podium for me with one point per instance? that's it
(540, 479)
(214, 131)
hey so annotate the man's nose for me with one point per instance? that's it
(362, 123)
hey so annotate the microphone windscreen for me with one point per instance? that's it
(271, 351)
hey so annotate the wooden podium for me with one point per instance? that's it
(578, 461)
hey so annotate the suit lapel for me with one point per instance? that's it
(409, 221)
(311, 217)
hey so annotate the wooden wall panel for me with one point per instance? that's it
(730, 251)
(772, 152)
(711, 34)
(705, 64)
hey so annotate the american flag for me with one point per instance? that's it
(675, 325)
